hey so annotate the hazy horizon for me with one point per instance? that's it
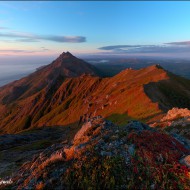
(89, 30)
(23, 66)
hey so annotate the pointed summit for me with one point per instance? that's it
(68, 65)
(156, 66)
(66, 55)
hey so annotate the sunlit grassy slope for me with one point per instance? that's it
(140, 94)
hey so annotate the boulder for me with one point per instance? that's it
(186, 161)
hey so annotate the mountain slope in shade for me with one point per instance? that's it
(67, 91)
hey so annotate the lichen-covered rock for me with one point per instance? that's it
(176, 113)
(174, 117)
(176, 123)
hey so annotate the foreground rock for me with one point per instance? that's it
(177, 123)
(186, 161)
(105, 156)
(176, 113)
(174, 117)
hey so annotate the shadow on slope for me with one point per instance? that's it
(21, 147)
(173, 92)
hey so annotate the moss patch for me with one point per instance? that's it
(119, 119)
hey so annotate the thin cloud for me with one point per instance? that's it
(27, 40)
(24, 37)
(70, 39)
(179, 43)
(22, 51)
(172, 47)
(16, 51)
(3, 28)
(44, 49)
(121, 47)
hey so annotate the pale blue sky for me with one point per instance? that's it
(131, 28)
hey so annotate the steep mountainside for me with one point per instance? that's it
(174, 92)
(105, 156)
(66, 65)
(68, 91)
(39, 85)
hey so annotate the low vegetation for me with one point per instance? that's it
(105, 156)
(119, 119)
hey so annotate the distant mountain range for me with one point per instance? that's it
(70, 90)
(112, 66)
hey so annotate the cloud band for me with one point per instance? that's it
(172, 47)
(35, 38)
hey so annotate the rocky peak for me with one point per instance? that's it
(70, 66)
(157, 66)
(67, 54)
(154, 67)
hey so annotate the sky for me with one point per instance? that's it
(47, 28)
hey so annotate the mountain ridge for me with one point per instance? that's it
(62, 100)
(80, 131)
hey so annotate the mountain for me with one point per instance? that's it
(66, 65)
(103, 155)
(39, 85)
(65, 127)
(69, 91)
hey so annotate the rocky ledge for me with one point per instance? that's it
(174, 117)
(177, 123)
(105, 156)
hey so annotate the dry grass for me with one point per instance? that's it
(121, 94)
(40, 186)
(52, 159)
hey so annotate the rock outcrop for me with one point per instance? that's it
(186, 161)
(105, 156)
(177, 123)
(176, 113)
(174, 117)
